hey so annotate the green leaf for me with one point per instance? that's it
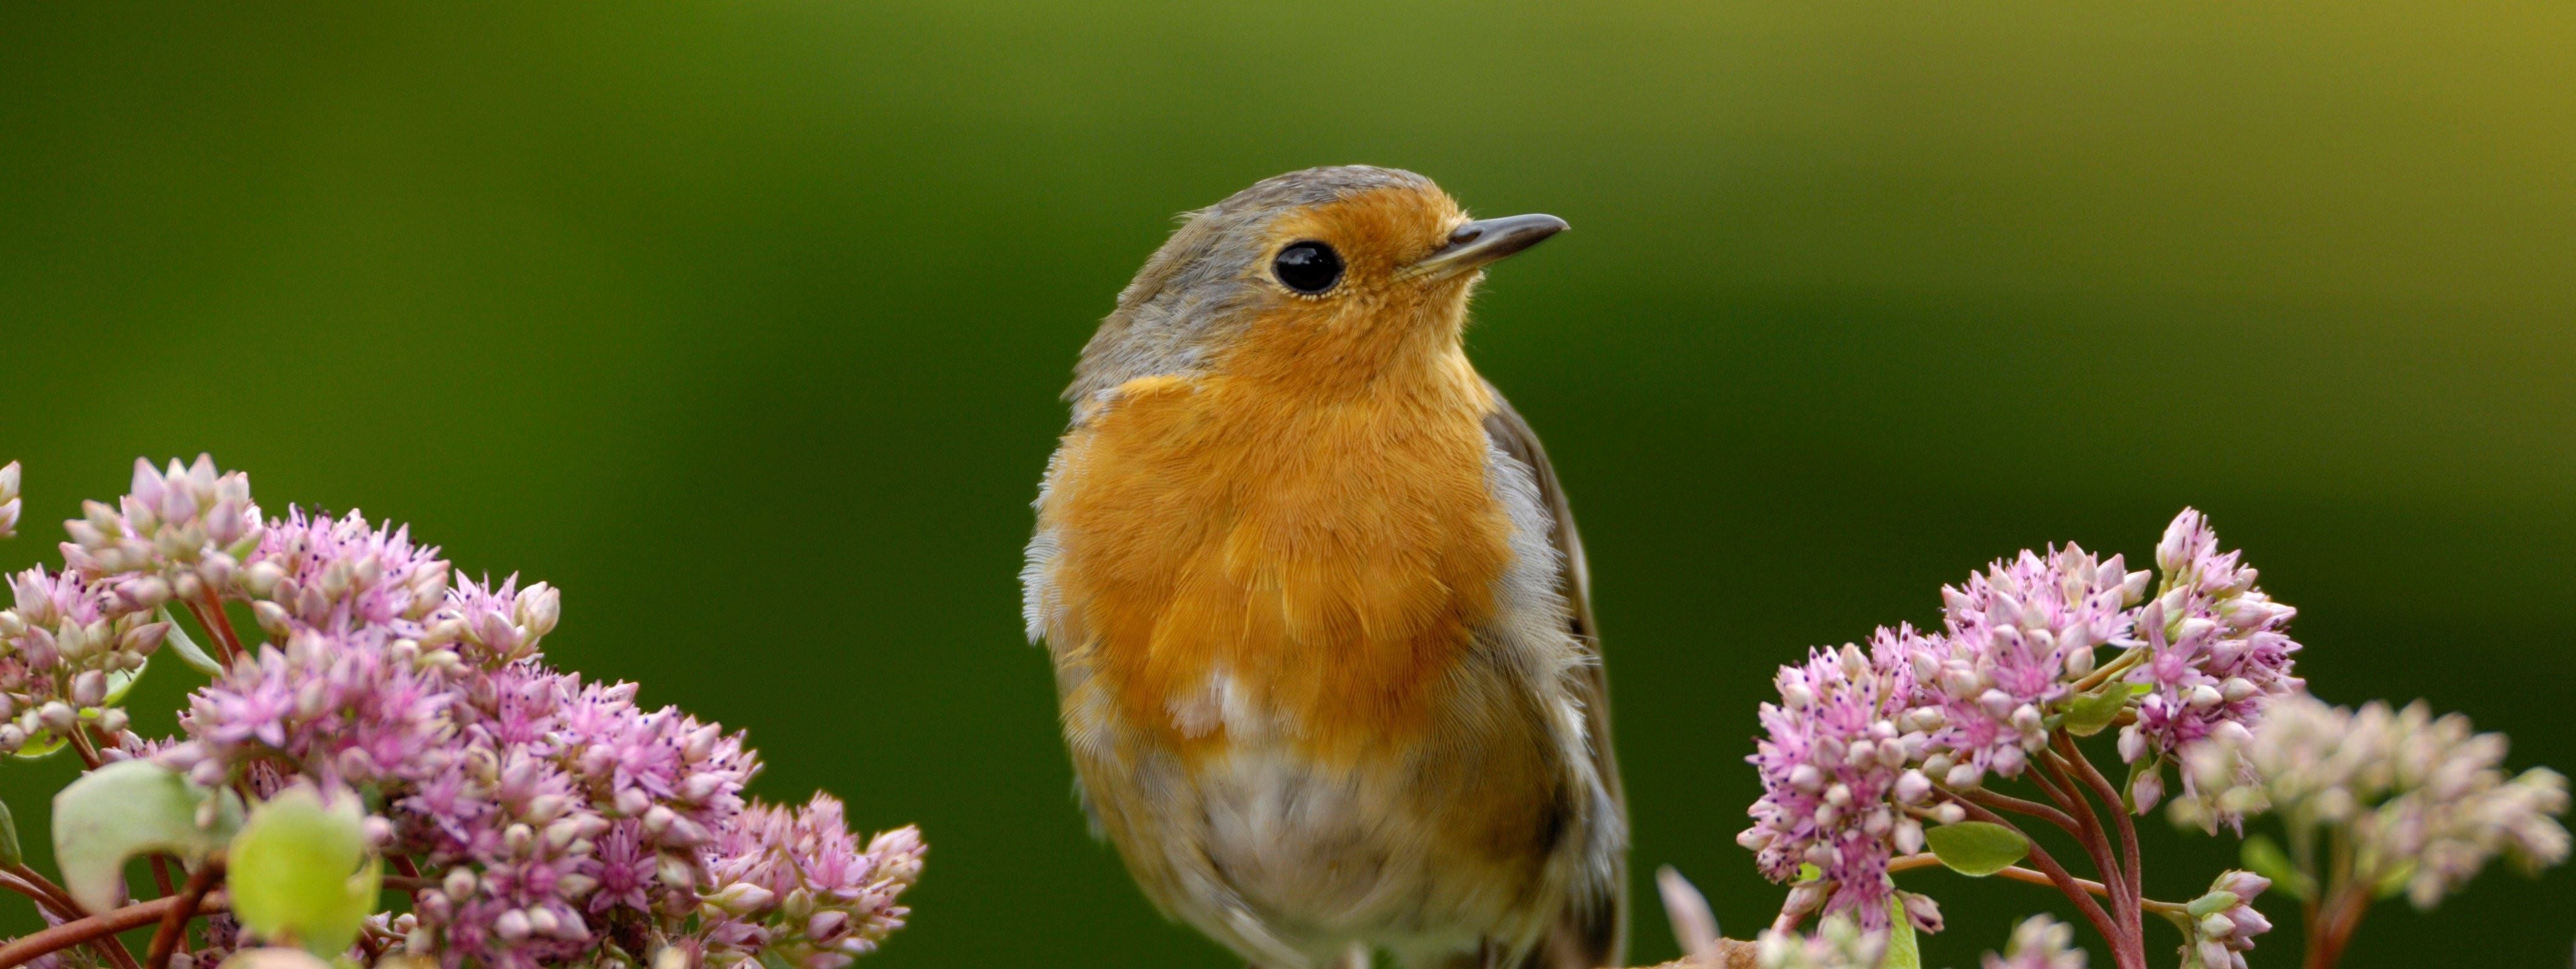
(187, 649)
(1903, 951)
(2090, 712)
(10, 855)
(128, 808)
(2265, 858)
(121, 681)
(1977, 848)
(2141, 689)
(41, 746)
(300, 870)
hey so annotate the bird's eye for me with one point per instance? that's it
(1308, 267)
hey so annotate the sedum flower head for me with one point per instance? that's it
(2218, 653)
(2016, 638)
(188, 525)
(1863, 747)
(562, 822)
(2223, 923)
(2425, 799)
(799, 885)
(68, 647)
(1836, 786)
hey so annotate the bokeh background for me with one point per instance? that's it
(743, 322)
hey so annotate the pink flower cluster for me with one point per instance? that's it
(1865, 747)
(553, 821)
(2218, 654)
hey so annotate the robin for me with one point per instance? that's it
(1318, 614)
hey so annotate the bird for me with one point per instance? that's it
(1319, 618)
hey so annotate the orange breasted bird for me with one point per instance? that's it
(1318, 614)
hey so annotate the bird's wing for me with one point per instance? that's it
(1593, 930)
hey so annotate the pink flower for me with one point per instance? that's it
(2218, 652)
(1836, 788)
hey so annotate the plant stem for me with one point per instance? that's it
(2006, 802)
(2096, 843)
(2067, 885)
(81, 745)
(2115, 667)
(219, 627)
(2329, 931)
(174, 925)
(161, 874)
(96, 927)
(2135, 863)
(44, 890)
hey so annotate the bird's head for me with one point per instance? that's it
(1327, 275)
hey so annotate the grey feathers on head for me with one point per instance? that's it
(1180, 301)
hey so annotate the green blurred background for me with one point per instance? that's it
(743, 323)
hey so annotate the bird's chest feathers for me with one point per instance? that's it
(1236, 560)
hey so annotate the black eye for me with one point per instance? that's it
(1308, 267)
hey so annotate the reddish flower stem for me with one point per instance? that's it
(2067, 885)
(2051, 777)
(174, 925)
(2135, 871)
(2006, 802)
(219, 626)
(34, 884)
(103, 926)
(2011, 872)
(161, 874)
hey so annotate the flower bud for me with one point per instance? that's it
(459, 883)
(1921, 910)
(272, 617)
(2148, 789)
(217, 570)
(512, 925)
(702, 742)
(1806, 777)
(699, 787)
(57, 717)
(112, 721)
(826, 926)
(1912, 787)
(261, 578)
(676, 872)
(89, 688)
(1909, 835)
(741, 899)
(539, 607)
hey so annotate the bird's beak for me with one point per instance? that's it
(1483, 241)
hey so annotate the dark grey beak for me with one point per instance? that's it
(1483, 241)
